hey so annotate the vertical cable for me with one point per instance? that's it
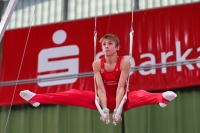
(120, 108)
(95, 39)
(95, 86)
(132, 8)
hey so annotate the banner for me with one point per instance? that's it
(67, 48)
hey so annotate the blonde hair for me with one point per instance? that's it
(110, 36)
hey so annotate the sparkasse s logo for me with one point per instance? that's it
(59, 61)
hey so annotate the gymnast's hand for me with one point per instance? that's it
(116, 121)
(107, 120)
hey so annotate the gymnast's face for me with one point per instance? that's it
(109, 46)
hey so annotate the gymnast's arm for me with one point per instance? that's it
(125, 70)
(101, 90)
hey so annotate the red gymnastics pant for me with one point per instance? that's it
(86, 99)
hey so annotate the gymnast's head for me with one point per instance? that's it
(110, 39)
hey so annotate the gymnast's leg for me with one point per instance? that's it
(72, 97)
(142, 98)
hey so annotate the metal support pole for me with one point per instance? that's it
(6, 17)
(1, 8)
(137, 5)
(65, 8)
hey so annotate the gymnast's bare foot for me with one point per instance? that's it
(168, 95)
(28, 95)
